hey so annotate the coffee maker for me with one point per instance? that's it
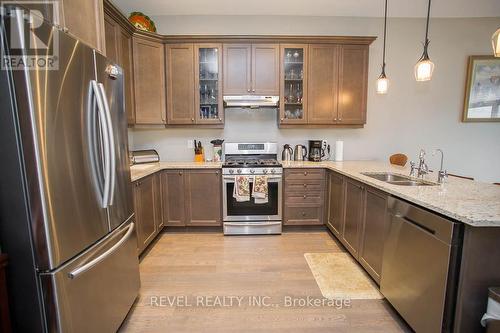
(316, 153)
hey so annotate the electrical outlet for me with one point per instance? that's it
(190, 144)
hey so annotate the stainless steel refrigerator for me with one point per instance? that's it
(66, 212)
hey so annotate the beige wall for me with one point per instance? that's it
(411, 116)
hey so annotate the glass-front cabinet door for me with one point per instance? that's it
(293, 87)
(209, 84)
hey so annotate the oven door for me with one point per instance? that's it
(249, 210)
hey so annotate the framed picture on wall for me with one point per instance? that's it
(482, 90)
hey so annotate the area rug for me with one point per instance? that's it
(339, 277)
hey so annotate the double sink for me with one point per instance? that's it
(397, 179)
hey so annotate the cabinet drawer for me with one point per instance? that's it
(305, 186)
(315, 198)
(303, 215)
(304, 174)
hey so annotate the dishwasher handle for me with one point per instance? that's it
(432, 223)
(415, 223)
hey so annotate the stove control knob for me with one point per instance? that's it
(265, 171)
(239, 170)
(252, 171)
(231, 171)
(273, 171)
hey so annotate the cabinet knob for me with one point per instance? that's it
(282, 119)
(220, 118)
(248, 90)
(340, 118)
(305, 196)
(305, 185)
(192, 119)
(216, 172)
(303, 213)
(305, 173)
(180, 173)
(335, 119)
(253, 90)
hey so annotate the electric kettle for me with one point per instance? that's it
(300, 153)
(287, 153)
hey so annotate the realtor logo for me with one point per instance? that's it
(28, 42)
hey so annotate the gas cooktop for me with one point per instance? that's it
(248, 163)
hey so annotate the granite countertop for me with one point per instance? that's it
(471, 202)
(142, 170)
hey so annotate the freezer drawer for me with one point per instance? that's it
(94, 292)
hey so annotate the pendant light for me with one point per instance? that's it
(382, 81)
(495, 42)
(424, 66)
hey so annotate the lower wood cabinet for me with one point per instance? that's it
(335, 203)
(353, 215)
(374, 231)
(192, 197)
(172, 187)
(304, 194)
(147, 203)
(357, 216)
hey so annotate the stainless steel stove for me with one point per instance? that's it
(249, 217)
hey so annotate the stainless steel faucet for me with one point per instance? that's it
(442, 174)
(422, 169)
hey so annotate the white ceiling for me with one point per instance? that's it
(360, 8)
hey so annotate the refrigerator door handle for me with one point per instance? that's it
(105, 145)
(92, 142)
(82, 269)
(111, 143)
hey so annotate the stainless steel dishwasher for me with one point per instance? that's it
(420, 266)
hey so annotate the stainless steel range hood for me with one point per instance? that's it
(251, 101)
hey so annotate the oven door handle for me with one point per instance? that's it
(273, 179)
(264, 224)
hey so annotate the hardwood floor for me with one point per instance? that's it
(186, 268)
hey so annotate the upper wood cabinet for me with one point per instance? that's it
(149, 81)
(84, 19)
(208, 84)
(251, 69)
(194, 86)
(353, 79)
(293, 83)
(265, 69)
(126, 61)
(237, 62)
(323, 84)
(119, 49)
(180, 84)
(112, 33)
